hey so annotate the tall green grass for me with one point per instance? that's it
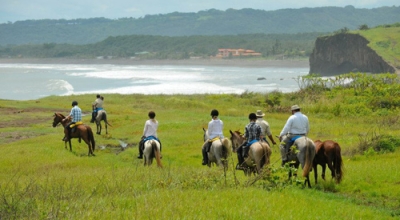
(39, 179)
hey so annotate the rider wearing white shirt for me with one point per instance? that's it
(149, 132)
(296, 125)
(215, 127)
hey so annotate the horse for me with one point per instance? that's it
(152, 150)
(303, 154)
(259, 153)
(101, 115)
(219, 151)
(328, 152)
(82, 132)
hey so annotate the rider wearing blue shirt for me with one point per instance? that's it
(76, 116)
(252, 133)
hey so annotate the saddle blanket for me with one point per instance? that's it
(150, 138)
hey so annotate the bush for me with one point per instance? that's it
(386, 143)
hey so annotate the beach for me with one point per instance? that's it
(188, 62)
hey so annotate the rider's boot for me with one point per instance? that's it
(205, 156)
(93, 117)
(239, 166)
(141, 146)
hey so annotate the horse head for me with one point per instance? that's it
(57, 118)
(205, 135)
(60, 118)
(237, 139)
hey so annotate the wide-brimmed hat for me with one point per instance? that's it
(259, 113)
(295, 107)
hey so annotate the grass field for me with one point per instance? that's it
(39, 179)
(384, 40)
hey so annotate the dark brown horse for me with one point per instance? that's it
(259, 153)
(82, 132)
(101, 116)
(328, 152)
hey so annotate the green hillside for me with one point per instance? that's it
(210, 22)
(385, 40)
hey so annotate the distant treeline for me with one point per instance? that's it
(164, 47)
(206, 23)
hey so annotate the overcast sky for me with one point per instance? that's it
(17, 10)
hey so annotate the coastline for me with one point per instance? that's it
(188, 62)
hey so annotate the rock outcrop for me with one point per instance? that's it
(344, 53)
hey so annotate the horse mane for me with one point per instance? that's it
(59, 114)
(238, 132)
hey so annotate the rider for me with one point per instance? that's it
(76, 116)
(252, 133)
(215, 127)
(97, 105)
(297, 125)
(149, 132)
(265, 129)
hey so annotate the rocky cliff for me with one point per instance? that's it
(344, 53)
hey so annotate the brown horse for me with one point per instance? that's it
(101, 116)
(82, 132)
(259, 153)
(328, 152)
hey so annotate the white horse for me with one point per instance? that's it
(101, 115)
(303, 154)
(152, 150)
(219, 151)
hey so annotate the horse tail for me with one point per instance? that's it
(267, 154)
(156, 153)
(338, 166)
(227, 144)
(310, 153)
(105, 119)
(91, 137)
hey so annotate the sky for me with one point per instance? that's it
(18, 10)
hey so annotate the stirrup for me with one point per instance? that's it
(239, 167)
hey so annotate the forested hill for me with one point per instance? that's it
(210, 22)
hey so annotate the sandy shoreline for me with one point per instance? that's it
(191, 62)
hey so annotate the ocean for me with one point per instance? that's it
(34, 81)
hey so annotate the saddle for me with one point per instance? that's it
(210, 143)
(74, 126)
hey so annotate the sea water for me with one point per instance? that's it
(33, 81)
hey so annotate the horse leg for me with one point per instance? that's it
(105, 124)
(307, 181)
(98, 126)
(315, 166)
(330, 165)
(70, 146)
(323, 170)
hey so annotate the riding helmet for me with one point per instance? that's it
(74, 103)
(214, 112)
(252, 116)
